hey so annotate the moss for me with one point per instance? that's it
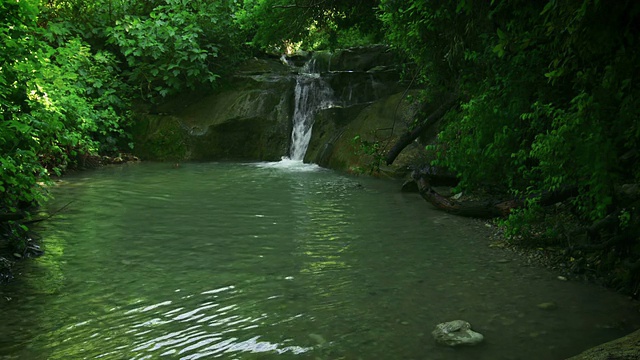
(160, 138)
(370, 124)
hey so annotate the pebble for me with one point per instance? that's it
(562, 278)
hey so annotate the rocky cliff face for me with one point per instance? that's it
(251, 118)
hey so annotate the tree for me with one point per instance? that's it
(58, 103)
(548, 111)
(284, 25)
(178, 45)
(546, 95)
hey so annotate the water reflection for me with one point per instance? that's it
(208, 329)
(191, 326)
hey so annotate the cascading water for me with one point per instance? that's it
(312, 93)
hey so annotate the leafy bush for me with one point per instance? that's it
(56, 103)
(284, 26)
(176, 46)
(549, 93)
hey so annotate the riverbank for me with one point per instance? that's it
(556, 261)
(559, 260)
(597, 267)
(18, 240)
(548, 227)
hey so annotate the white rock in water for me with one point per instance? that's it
(318, 338)
(455, 333)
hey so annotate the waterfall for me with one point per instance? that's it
(312, 93)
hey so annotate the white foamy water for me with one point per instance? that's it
(312, 93)
(290, 165)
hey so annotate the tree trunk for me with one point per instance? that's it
(476, 209)
(411, 135)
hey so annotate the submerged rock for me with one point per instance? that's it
(456, 333)
(548, 306)
(319, 339)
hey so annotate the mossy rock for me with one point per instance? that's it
(161, 138)
(250, 117)
(332, 142)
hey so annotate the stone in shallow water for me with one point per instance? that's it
(318, 339)
(548, 305)
(456, 333)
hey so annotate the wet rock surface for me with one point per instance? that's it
(625, 348)
(250, 118)
(456, 333)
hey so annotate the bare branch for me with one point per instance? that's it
(313, 5)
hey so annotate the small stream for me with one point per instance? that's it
(280, 261)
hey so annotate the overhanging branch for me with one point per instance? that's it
(298, 6)
(413, 134)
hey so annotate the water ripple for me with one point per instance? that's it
(150, 328)
(229, 260)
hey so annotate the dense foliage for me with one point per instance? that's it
(70, 71)
(548, 91)
(548, 102)
(179, 45)
(56, 103)
(286, 26)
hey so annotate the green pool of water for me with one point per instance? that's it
(273, 261)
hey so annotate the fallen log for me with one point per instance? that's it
(429, 176)
(476, 209)
(611, 242)
(437, 176)
(4, 217)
